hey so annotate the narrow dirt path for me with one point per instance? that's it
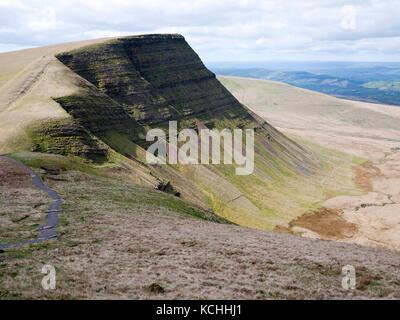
(23, 82)
(47, 230)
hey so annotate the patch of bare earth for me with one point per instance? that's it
(327, 223)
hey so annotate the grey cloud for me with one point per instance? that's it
(217, 29)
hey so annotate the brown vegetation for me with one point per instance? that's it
(328, 223)
(364, 173)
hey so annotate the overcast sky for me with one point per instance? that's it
(219, 30)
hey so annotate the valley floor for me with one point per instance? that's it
(119, 240)
(375, 215)
(366, 130)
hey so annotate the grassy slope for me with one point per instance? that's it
(120, 240)
(105, 178)
(285, 100)
(14, 63)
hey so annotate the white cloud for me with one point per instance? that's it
(217, 29)
(349, 17)
(43, 20)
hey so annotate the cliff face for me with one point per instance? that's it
(156, 78)
(98, 113)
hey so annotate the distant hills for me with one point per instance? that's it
(365, 82)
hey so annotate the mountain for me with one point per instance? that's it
(95, 102)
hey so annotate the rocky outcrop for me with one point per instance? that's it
(66, 137)
(99, 114)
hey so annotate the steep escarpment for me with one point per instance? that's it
(108, 67)
(157, 78)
